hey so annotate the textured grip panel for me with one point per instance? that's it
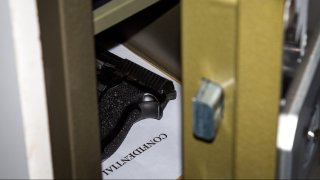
(114, 126)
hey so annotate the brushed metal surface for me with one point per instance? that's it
(68, 50)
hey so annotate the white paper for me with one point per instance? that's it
(162, 160)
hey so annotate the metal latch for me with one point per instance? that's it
(207, 110)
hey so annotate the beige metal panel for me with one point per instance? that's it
(67, 42)
(31, 85)
(208, 51)
(238, 44)
(115, 11)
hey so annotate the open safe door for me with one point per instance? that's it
(236, 44)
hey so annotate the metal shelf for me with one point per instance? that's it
(116, 11)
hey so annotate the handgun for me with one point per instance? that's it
(127, 93)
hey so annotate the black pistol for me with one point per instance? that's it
(127, 94)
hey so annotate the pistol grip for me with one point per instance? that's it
(120, 107)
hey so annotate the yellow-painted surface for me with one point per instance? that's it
(237, 43)
(208, 50)
(258, 87)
